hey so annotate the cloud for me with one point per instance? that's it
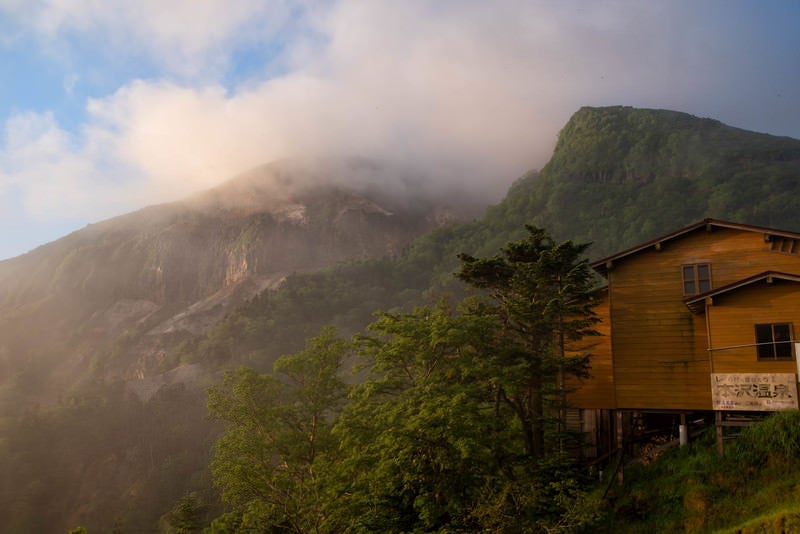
(188, 38)
(38, 159)
(473, 91)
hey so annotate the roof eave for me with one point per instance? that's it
(603, 265)
(696, 303)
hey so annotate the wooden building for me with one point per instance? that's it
(696, 322)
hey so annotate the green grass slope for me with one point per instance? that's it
(754, 488)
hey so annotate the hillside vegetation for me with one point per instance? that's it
(626, 175)
(752, 489)
(455, 425)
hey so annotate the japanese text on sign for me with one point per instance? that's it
(754, 391)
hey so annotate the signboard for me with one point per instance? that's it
(763, 392)
(797, 356)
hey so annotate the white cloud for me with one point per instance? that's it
(471, 89)
(55, 177)
(188, 38)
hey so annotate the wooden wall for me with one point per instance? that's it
(661, 359)
(732, 318)
(597, 391)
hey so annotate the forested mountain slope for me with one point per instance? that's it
(620, 175)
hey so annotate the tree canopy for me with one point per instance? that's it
(278, 439)
(455, 424)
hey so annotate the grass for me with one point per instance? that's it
(782, 520)
(755, 488)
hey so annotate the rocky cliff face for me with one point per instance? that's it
(173, 270)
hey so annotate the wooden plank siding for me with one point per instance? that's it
(660, 352)
(732, 318)
(596, 391)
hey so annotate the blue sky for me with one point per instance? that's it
(109, 106)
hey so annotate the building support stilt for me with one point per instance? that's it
(683, 431)
(620, 446)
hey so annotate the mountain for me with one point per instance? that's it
(621, 175)
(618, 176)
(115, 329)
(100, 421)
(173, 270)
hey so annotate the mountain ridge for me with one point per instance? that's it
(178, 268)
(661, 164)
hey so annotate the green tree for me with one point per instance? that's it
(278, 441)
(427, 445)
(445, 431)
(542, 292)
(420, 440)
(187, 516)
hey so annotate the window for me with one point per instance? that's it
(774, 341)
(696, 278)
(784, 244)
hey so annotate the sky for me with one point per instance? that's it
(109, 106)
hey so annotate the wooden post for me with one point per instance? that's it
(620, 445)
(720, 433)
(683, 431)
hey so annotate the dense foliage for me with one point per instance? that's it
(544, 300)
(457, 424)
(274, 457)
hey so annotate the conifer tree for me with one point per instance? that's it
(542, 293)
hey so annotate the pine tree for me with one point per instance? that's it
(542, 293)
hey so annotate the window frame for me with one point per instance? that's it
(772, 346)
(695, 280)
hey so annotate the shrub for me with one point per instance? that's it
(775, 438)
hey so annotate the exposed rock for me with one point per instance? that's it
(108, 291)
(144, 387)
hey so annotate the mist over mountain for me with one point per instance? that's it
(117, 328)
(175, 269)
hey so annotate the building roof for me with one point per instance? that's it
(604, 264)
(696, 303)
